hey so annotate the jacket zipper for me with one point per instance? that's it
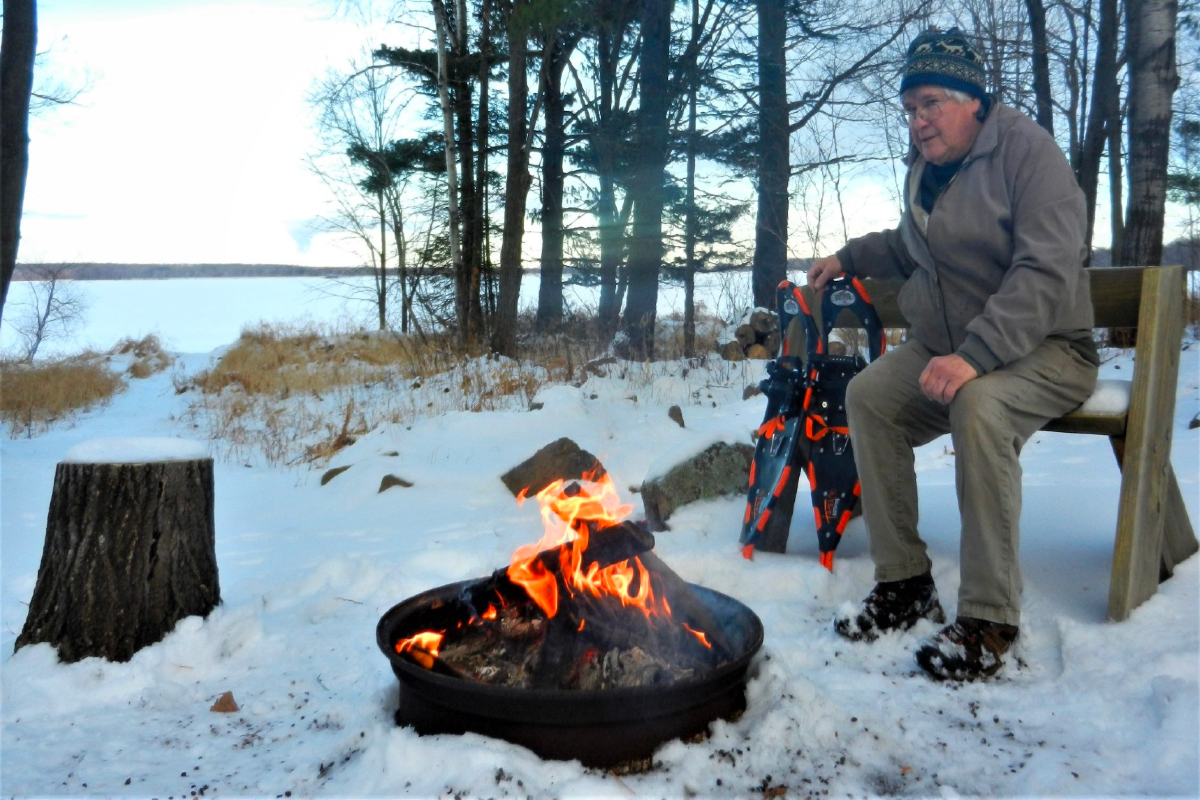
(937, 278)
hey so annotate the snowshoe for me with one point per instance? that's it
(804, 429)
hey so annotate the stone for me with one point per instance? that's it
(225, 704)
(721, 470)
(758, 352)
(676, 415)
(393, 480)
(560, 459)
(332, 473)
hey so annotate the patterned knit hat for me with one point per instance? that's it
(947, 60)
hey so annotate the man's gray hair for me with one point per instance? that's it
(956, 95)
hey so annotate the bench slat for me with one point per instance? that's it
(1116, 296)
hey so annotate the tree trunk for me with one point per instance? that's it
(689, 245)
(771, 224)
(646, 246)
(504, 339)
(481, 276)
(1150, 47)
(130, 550)
(1041, 64)
(1116, 191)
(604, 143)
(1104, 114)
(452, 196)
(550, 287)
(17, 52)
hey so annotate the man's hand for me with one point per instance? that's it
(822, 270)
(944, 376)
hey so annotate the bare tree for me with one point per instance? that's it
(17, 52)
(54, 310)
(368, 174)
(1153, 77)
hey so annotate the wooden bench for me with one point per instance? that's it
(1154, 533)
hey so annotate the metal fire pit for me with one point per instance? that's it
(600, 728)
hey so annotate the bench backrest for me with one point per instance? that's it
(1116, 296)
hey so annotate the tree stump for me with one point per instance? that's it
(130, 548)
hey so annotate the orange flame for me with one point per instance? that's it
(567, 518)
(568, 515)
(422, 646)
(698, 634)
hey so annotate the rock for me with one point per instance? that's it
(225, 704)
(596, 366)
(757, 351)
(723, 469)
(331, 474)
(676, 414)
(745, 335)
(732, 351)
(560, 459)
(1195, 423)
(392, 480)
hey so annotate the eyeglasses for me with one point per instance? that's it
(929, 111)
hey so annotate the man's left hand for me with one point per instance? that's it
(944, 376)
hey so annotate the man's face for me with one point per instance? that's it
(943, 129)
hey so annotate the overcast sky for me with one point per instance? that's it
(188, 144)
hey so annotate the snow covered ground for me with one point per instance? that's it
(1087, 707)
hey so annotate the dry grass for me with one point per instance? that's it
(298, 394)
(33, 397)
(148, 356)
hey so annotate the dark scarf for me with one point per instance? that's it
(934, 179)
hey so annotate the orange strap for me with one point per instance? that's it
(825, 428)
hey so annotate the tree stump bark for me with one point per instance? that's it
(130, 550)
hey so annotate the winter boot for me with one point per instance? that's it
(969, 649)
(892, 606)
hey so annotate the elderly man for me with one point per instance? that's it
(991, 247)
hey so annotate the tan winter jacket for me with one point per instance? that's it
(997, 266)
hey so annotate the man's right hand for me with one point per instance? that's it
(822, 270)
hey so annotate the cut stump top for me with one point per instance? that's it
(136, 451)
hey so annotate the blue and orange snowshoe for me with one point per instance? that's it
(805, 428)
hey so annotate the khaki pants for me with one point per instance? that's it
(989, 421)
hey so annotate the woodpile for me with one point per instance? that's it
(756, 338)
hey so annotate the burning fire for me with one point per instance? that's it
(423, 647)
(570, 513)
(567, 518)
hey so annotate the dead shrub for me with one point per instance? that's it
(33, 397)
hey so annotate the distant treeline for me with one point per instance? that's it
(120, 272)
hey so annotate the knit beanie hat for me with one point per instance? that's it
(947, 60)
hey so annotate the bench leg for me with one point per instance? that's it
(1179, 539)
(1137, 551)
(1146, 476)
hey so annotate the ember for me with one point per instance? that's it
(587, 607)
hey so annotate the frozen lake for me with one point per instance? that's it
(197, 315)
